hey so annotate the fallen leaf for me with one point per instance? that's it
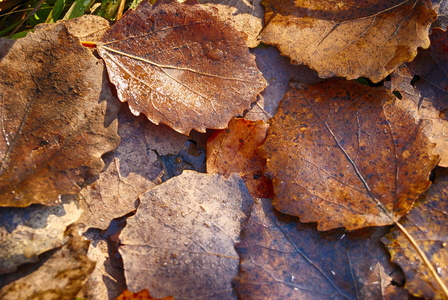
(181, 65)
(181, 240)
(441, 6)
(278, 72)
(130, 169)
(428, 225)
(349, 38)
(27, 232)
(235, 150)
(424, 83)
(60, 277)
(346, 155)
(57, 118)
(282, 258)
(247, 16)
(142, 295)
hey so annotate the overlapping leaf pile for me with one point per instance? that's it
(303, 197)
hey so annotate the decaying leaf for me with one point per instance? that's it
(247, 16)
(282, 258)
(349, 38)
(28, 232)
(57, 117)
(278, 72)
(235, 149)
(130, 169)
(142, 295)
(346, 155)
(428, 225)
(424, 82)
(441, 6)
(181, 65)
(181, 240)
(60, 277)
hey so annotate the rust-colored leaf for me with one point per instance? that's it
(424, 83)
(282, 258)
(344, 154)
(57, 117)
(130, 169)
(142, 295)
(181, 65)
(428, 225)
(181, 240)
(247, 16)
(236, 150)
(349, 38)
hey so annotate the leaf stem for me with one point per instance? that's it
(424, 257)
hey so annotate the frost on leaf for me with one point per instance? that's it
(130, 169)
(181, 65)
(424, 84)
(346, 155)
(181, 240)
(27, 232)
(235, 149)
(281, 256)
(349, 38)
(57, 117)
(428, 225)
(247, 16)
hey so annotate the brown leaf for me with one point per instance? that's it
(278, 72)
(181, 65)
(236, 150)
(130, 169)
(344, 154)
(282, 258)
(58, 117)
(424, 82)
(142, 295)
(181, 240)
(349, 38)
(27, 232)
(428, 225)
(441, 6)
(60, 277)
(247, 16)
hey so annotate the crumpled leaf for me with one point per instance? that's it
(423, 82)
(349, 38)
(106, 281)
(130, 170)
(181, 240)
(181, 65)
(247, 16)
(58, 117)
(278, 72)
(428, 225)
(282, 258)
(142, 295)
(346, 155)
(235, 150)
(60, 277)
(27, 232)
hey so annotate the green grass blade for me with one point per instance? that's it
(56, 11)
(77, 9)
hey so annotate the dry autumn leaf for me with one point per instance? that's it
(130, 169)
(27, 232)
(59, 277)
(235, 149)
(441, 6)
(142, 295)
(58, 117)
(247, 16)
(282, 258)
(349, 38)
(181, 65)
(181, 240)
(428, 224)
(346, 155)
(424, 82)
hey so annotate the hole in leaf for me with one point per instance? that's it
(415, 79)
(397, 94)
